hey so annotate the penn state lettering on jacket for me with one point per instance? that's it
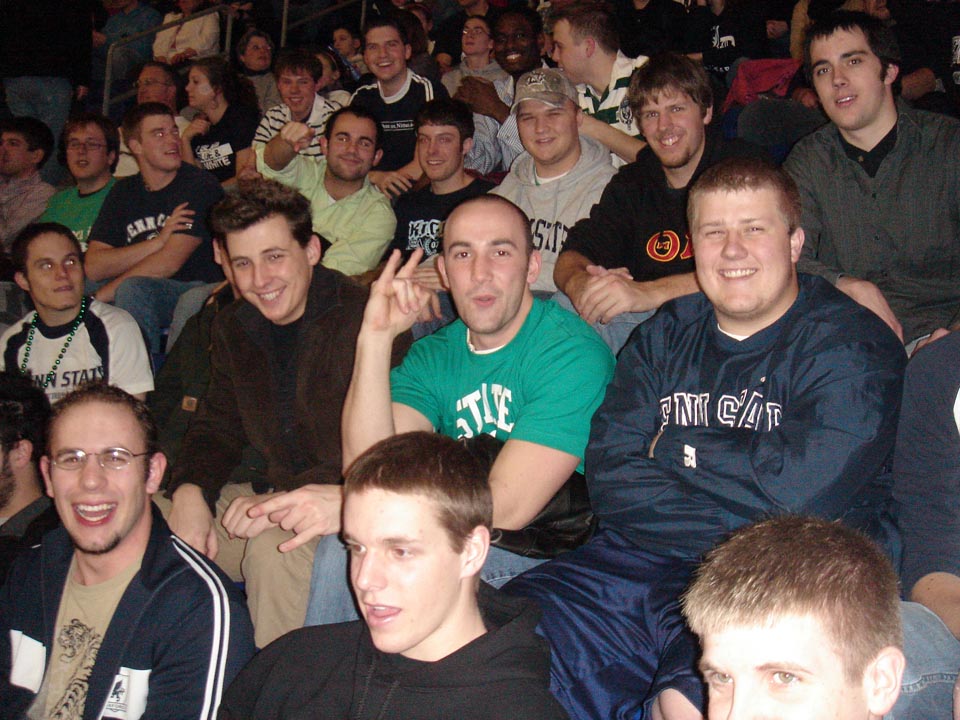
(798, 418)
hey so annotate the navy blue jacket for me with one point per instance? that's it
(178, 636)
(798, 418)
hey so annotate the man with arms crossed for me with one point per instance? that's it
(280, 367)
(69, 339)
(766, 394)
(799, 619)
(112, 615)
(394, 100)
(519, 369)
(353, 218)
(634, 252)
(879, 183)
(417, 516)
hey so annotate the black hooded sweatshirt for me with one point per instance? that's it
(333, 672)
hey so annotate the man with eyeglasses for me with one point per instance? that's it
(113, 615)
(354, 219)
(69, 339)
(150, 242)
(88, 147)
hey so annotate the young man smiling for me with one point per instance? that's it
(299, 79)
(766, 394)
(394, 99)
(280, 365)
(113, 615)
(151, 242)
(417, 517)
(69, 339)
(444, 138)
(634, 251)
(879, 203)
(355, 221)
(561, 175)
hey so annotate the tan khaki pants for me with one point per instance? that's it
(277, 583)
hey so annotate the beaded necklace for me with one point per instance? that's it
(63, 351)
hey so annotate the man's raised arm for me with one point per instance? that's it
(368, 413)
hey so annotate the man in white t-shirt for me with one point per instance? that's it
(69, 339)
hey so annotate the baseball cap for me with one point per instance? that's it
(544, 85)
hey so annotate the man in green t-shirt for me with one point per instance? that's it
(521, 370)
(89, 147)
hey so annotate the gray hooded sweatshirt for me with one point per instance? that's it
(554, 207)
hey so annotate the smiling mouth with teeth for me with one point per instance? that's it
(745, 272)
(94, 513)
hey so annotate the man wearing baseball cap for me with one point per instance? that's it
(560, 174)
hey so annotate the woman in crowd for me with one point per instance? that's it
(255, 55)
(197, 38)
(218, 139)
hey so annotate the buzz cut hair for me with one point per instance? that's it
(738, 174)
(490, 199)
(436, 466)
(792, 566)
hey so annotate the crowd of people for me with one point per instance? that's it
(583, 361)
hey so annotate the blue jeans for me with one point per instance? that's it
(47, 99)
(933, 660)
(331, 600)
(617, 330)
(151, 302)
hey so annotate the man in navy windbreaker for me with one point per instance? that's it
(768, 393)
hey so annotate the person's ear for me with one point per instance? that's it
(474, 553)
(157, 466)
(45, 471)
(882, 679)
(314, 249)
(796, 244)
(21, 280)
(21, 454)
(533, 266)
(893, 71)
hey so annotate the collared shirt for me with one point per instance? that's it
(612, 106)
(359, 227)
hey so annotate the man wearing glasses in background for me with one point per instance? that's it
(112, 615)
(88, 147)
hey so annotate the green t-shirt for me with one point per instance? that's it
(75, 211)
(542, 387)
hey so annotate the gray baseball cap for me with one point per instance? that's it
(544, 85)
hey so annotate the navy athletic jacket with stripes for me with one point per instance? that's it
(178, 636)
